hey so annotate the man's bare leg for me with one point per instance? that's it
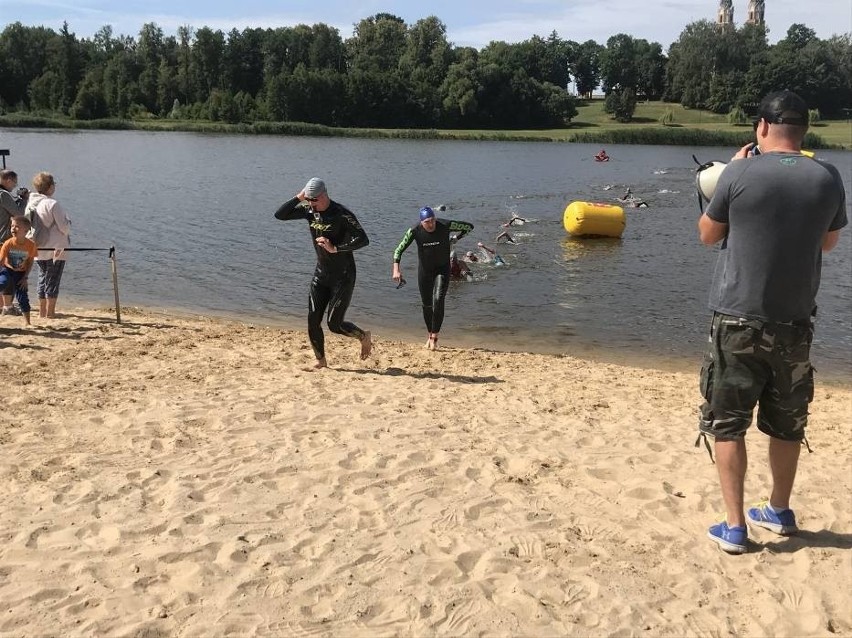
(783, 460)
(732, 461)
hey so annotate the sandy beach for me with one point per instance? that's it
(183, 476)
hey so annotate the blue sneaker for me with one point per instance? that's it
(733, 540)
(783, 523)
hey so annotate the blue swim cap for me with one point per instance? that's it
(426, 213)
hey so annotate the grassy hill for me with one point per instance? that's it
(593, 124)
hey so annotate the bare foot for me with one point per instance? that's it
(319, 365)
(366, 345)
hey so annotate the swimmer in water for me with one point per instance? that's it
(504, 235)
(490, 255)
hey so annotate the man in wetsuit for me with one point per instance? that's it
(336, 234)
(433, 274)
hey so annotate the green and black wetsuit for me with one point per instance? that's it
(433, 272)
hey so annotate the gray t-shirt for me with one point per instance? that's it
(778, 207)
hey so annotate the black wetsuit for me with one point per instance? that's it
(334, 276)
(433, 272)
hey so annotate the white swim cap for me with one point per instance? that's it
(706, 178)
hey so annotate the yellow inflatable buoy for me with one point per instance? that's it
(585, 219)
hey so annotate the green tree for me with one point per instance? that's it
(90, 103)
(425, 62)
(243, 61)
(23, 51)
(651, 68)
(378, 43)
(45, 92)
(185, 85)
(167, 87)
(460, 88)
(691, 64)
(586, 67)
(619, 64)
(326, 50)
(622, 104)
(149, 52)
(206, 61)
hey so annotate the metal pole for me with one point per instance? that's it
(115, 283)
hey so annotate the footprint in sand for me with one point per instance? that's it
(458, 618)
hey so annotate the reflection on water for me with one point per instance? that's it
(191, 217)
(580, 248)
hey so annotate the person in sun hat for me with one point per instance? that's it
(775, 214)
(434, 238)
(336, 234)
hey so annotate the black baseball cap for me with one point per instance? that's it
(783, 107)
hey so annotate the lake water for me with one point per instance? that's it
(191, 218)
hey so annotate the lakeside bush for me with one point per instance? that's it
(737, 117)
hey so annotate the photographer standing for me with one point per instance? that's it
(775, 213)
(10, 206)
(336, 233)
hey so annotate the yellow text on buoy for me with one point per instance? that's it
(588, 219)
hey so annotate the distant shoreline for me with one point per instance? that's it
(577, 132)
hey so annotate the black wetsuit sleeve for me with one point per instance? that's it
(292, 210)
(357, 237)
(407, 238)
(460, 228)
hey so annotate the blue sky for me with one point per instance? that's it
(469, 22)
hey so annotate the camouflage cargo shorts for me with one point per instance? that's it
(751, 362)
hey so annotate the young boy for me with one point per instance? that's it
(16, 258)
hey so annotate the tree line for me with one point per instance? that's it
(392, 75)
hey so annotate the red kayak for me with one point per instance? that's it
(601, 159)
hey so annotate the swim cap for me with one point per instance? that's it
(426, 213)
(314, 188)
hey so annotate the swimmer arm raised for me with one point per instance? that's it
(291, 209)
(460, 228)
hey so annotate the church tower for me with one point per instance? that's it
(725, 17)
(755, 12)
